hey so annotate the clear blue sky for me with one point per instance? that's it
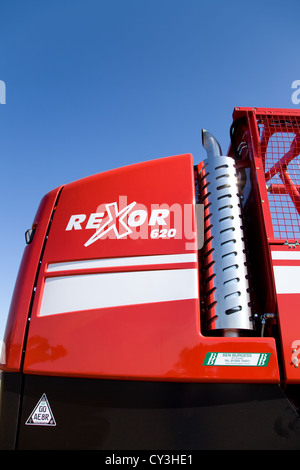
(93, 85)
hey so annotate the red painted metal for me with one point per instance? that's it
(288, 305)
(272, 138)
(17, 322)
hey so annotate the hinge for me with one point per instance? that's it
(292, 244)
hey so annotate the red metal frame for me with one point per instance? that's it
(274, 141)
(271, 138)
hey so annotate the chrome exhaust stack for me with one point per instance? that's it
(226, 286)
(211, 145)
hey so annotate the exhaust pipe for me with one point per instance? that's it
(211, 145)
(226, 288)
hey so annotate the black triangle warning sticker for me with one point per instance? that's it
(42, 414)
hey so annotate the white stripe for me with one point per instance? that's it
(289, 255)
(89, 291)
(287, 279)
(119, 262)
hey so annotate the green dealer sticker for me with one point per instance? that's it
(237, 359)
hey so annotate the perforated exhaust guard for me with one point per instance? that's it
(226, 285)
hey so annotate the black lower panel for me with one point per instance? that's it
(10, 396)
(111, 414)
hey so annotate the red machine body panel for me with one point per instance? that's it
(118, 297)
(21, 302)
(107, 301)
(286, 267)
